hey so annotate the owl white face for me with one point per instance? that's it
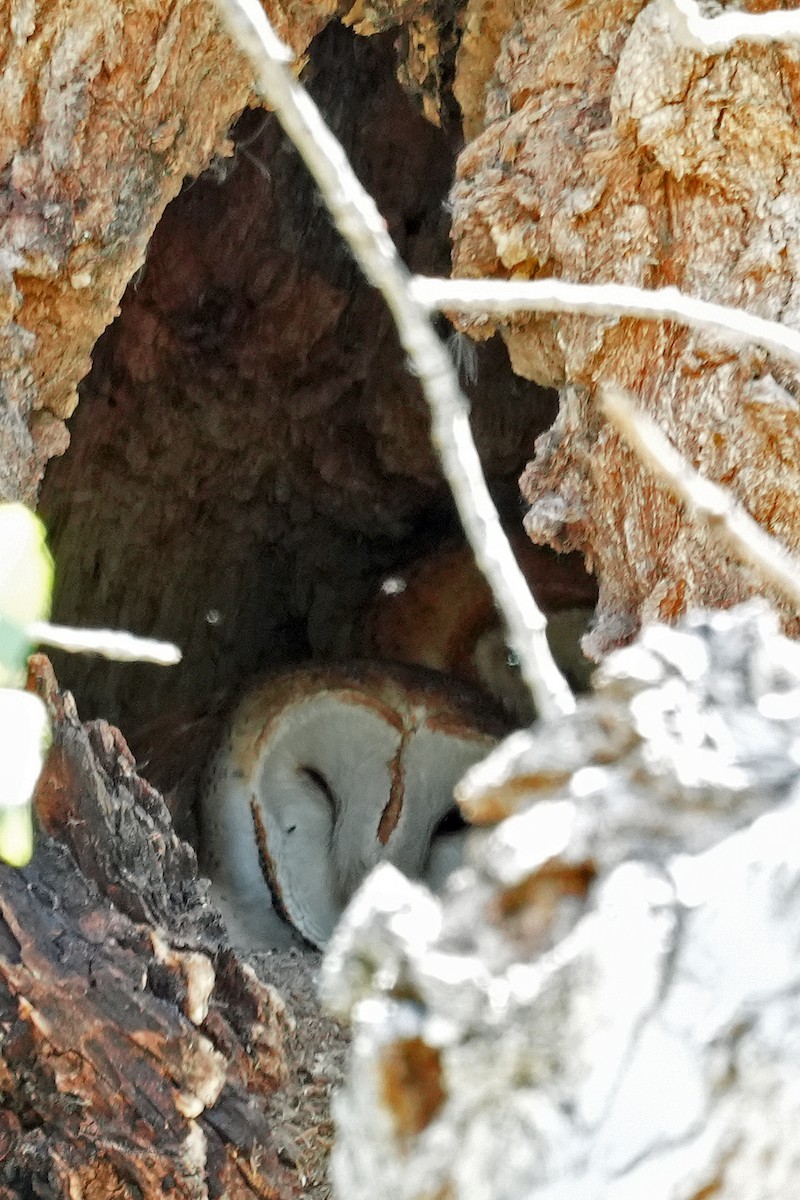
(326, 772)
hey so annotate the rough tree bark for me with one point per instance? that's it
(605, 1001)
(673, 173)
(103, 113)
(609, 154)
(598, 152)
(137, 1055)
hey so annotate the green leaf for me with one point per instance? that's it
(24, 735)
(16, 835)
(26, 583)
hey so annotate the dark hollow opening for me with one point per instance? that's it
(251, 455)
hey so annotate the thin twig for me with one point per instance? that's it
(705, 501)
(358, 220)
(108, 643)
(504, 296)
(714, 34)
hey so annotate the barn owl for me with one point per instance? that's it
(438, 612)
(324, 771)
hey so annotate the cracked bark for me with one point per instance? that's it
(608, 154)
(138, 1056)
(596, 152)
(605, 1001)
(103, 114)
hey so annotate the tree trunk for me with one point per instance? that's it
(139, 1057)
(103, 114)
(610, 155)
(250, 457)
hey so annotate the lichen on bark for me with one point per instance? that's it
(605, 997)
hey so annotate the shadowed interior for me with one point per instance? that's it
(250, 454)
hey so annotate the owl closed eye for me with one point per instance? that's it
(323, 773)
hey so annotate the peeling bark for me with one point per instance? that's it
(604, 1003)
(609, 154)
(244, 446)
(138, 1056)
(103, 112)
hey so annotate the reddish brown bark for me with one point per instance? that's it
(103, 112)
(138, 1056)
(256, 443)
(610, 155)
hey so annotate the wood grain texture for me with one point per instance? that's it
(104, 109)
(139, 1056)
(608, 154)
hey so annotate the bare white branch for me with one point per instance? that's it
(358, 220)
(503, 296)
(705, 501)
(108, 643)
(715, 34)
